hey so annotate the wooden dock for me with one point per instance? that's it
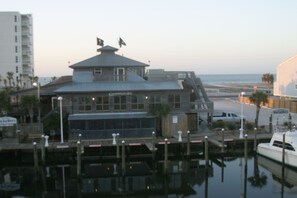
(215, 140)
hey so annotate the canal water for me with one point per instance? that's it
(229, 176)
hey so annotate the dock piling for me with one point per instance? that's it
(123, 158)
(153, 141)
(188, 143)
(283, 149)
(78, 158)
(223, 141)
(42, 149)
(117, 145)
(270, 124)
(35, 155)
(245, 148)
(255, 139)
(166, 156)
(206, 150)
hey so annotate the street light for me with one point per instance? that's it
(241, 116)
(60, 98)
(36, 84)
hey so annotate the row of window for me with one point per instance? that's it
(112, 124)
(120, 73)
(120, 102)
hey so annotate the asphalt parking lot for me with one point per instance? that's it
(249, 111)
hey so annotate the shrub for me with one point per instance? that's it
(249, 126)
(231, 126)
(218, 124)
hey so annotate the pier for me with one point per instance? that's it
(187, 145)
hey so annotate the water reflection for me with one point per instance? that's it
(284, 178)
(223, 176)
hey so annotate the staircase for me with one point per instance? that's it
(203, 104)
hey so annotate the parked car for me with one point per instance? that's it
(227, 117)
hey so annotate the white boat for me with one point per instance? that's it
(274, 149)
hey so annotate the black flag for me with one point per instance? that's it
(100, 42)
(121, 42)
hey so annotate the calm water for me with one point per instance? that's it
(225, 177)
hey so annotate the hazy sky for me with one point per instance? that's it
(205, 36)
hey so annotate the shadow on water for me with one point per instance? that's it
(227, 176)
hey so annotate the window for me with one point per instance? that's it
(16, 59)
(16, 49)
(153, 100)
(16, 39)
(84, 103)
(102, 103)
(119, 74)
(16, 69)
(174, 101)
(15, 28)
(15, 18)
(280, 145)
(120, 102)
(138, 102)
(98, 71)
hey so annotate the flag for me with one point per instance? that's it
(121, 42)
(100, 42)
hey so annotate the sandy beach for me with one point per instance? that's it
(234, 89)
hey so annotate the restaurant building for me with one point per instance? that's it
(110, 93)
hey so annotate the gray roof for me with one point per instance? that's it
(120, 86)
(108, 58)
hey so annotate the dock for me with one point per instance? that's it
(135, 146)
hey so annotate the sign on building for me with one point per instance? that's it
(7, 121)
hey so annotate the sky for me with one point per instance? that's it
(205, 36)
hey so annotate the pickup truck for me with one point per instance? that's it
(227, 117)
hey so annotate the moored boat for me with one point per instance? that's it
(274, 149)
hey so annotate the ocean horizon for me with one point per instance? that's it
(230, 78)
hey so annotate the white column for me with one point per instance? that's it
(46, 140)
(114, 138)
(180, 136)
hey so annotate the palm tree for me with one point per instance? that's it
(258, 98)
(10, 78)
(28, 102)
(268, 78)
(5, 83)
(257, 180)
(160, 111)
(4, 102)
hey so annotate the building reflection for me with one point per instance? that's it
(106, 179)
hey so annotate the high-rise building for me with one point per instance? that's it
(16, 50)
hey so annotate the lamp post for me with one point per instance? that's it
(36, 84)
(241, 116)
(60, 98)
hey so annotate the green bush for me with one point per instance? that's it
(231, 126)
(249, 126)
(218, 124)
